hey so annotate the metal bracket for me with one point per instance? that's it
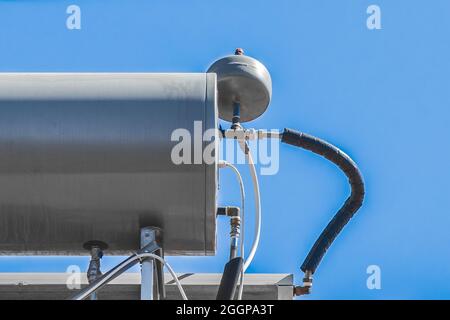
(152, 277)
(150, 243)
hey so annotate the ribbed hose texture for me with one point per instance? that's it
(351, 205)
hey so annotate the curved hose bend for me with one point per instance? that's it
(351, 205)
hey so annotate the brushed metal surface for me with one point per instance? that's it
(87, 156)
(199, 286)
(245, 80)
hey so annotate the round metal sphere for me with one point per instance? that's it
(244, 80)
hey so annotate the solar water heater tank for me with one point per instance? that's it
(88, 157)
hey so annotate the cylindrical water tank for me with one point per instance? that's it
(88, 157)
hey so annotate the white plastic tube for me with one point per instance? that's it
(249, 158)
(123, 266)
(222, 164)
(167, 265)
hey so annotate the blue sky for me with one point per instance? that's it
(383, 96)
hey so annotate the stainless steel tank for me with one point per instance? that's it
(88, 157)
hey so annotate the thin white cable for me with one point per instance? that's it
(248, 155)
(167, 265)
(224, 163)
(124, 264)
(258, 217)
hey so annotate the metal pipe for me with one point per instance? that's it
(148, 237)
(94, 271)
(159, 272)
(236, 114)
(147, 279)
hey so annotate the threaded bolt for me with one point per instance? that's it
(239, 52)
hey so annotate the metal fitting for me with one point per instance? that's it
(306, 287)
(95, 249)
(239, 52)
(250, 134)
(94, 271)
(235, 223)
(228, 211)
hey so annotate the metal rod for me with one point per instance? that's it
(236, 115)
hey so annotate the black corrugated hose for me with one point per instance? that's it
(351, 205)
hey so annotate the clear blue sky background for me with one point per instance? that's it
(383, 96)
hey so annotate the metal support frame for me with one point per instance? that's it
(147, 237)
(160, 289)
(152, 277)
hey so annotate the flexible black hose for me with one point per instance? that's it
(351, 205)
(230, 278)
